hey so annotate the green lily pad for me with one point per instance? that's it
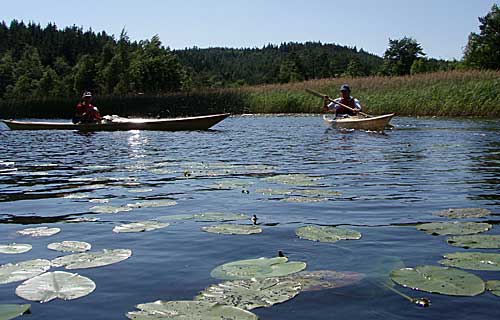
(230, 184)
(232, 229)
(257, 268)
(462, 213)
(174, 217)
(294, 179)
(476, 241)
(109, 209)
(493, 286)
(251, 293)
(13, 272)
(11, 311)
(39, 232)
(472, 260)
(318, 193)
(273, 192)
(140, 226)
(325, 279)
(92, 259)
(447, 228)
(188, 310)
(326, 233)
(69, 246)
(14, 248)
(152, 204)
(303, 199)
(220, 216)
(441, 280)
(57, 284)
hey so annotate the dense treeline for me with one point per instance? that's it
(37, 62)
(288, 62)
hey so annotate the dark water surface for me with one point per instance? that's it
(388, 183)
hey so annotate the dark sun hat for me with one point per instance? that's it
(345, 87)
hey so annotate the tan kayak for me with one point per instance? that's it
(116, 124)
(378, 123)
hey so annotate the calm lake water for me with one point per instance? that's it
(386, 182)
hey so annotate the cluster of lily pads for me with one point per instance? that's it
(448, 280)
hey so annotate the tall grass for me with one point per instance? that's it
(453, 93)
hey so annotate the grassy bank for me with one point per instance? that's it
(456, 93)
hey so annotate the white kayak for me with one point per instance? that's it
(378, 123)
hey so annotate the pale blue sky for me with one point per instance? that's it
(441, 26)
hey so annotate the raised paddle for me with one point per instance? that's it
(341, 104)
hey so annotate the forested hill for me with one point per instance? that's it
(287, 62)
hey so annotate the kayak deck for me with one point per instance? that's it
(118, 124)
(378, 123)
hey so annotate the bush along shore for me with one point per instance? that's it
(452, 93)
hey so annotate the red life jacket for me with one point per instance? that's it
(348, 102)
(91, 112)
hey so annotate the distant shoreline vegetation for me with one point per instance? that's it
(471, 93)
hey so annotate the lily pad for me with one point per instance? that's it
(472, 260)
(220, 216)
(14, 248)
(257, 268)
(447, 228)
(318, 193)
(251, 293)
(174, 217)
(326, 233)
(152, 204)
(441, 280)
(92, 259)
(109, 209)
(57, 284)
(188, 310)
(232, 229)
(39, 232)
(69, 246)
(476, 241)
(493, 286)
(140, 226)
(11, 311)
(13, 272)
(273, 192)
(303, 199)
(462, 213)
(325, 279)
(294, 179)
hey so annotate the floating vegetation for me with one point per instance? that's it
(15, 248)
(92, 259)
(11, 311)
(326, 233)
(441, 280)
(294, 180)
(251, 293)
(318, 193)
(472, 260)
(459, 228)
(58, 284)
(175, 217)
(140, 190)
(70, 246)
(110, 209)
(98, 200)
(462, 213)
(189, 310)
(152, 204)
(325, 279)
(82, 219)
(140, 226)
(76, 196)
(13, 272)
(493, 286)
(476, 241)
(230, 184)
(257, 268)
(220, 216)
(39, 232)
(274, 192)
(303, 199)
(232, 229)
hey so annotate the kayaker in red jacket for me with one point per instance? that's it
(345, 99)
(86, 112)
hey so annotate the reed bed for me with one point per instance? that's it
(453, 93)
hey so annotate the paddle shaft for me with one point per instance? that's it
(340, 104)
